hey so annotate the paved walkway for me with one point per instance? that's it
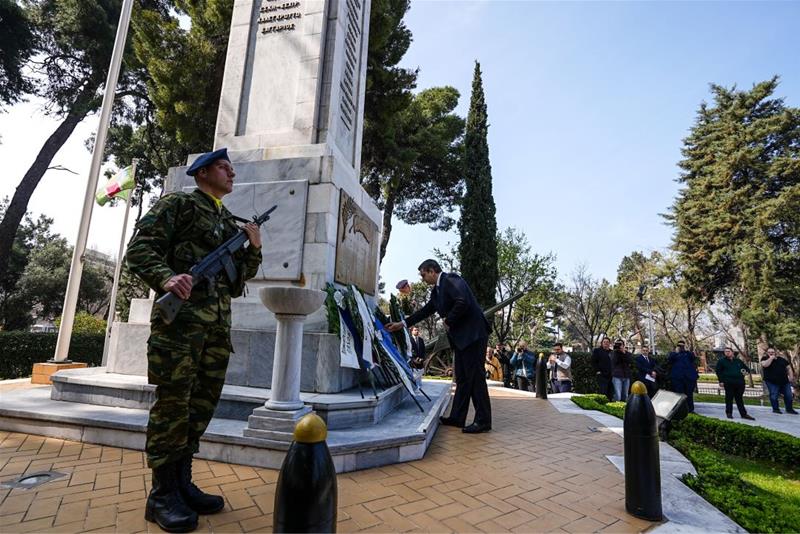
(539, 471)
(784, 422)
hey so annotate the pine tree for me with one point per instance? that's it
(478, 226)
(737, 228)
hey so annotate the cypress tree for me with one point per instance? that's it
(478, 225)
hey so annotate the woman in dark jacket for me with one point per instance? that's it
(621, 371)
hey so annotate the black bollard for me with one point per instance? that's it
(642, 468)
(541, 377)
(306, 493)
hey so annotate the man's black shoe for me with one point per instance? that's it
(776, 411)
(793, 412)
(199, 501)
(749, 417)
(165, 506)
(475, 428)
(729, 415)
(447, 421)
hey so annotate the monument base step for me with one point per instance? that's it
(347, 409)
(275, 425)
(402, 436)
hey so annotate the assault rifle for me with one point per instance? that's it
(208, 268)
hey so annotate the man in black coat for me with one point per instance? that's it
(646, 366)
(417, 349)
(468, 333)
(601, 364)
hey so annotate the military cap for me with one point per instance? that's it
(207, 159)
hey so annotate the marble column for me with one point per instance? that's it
(275, 421)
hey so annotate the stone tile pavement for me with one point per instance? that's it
(538, 471)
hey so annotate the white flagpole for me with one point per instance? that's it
(76, 268)
(112, 301)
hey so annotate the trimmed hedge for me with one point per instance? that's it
(596, 401)
(753, 508)
(741, 440)
(583, 377)
(20, 350)
(727, 437)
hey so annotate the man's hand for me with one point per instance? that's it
(180, 285)
(552, 358)
(394, 327)
(253, 234)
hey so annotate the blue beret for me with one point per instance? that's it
(207, 159)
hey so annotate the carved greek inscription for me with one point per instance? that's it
(275, 17)
(352, 50)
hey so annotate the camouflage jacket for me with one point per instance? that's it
(175, 234)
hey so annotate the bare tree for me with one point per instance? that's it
(590, 306)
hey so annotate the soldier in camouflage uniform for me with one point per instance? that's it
(187, 359)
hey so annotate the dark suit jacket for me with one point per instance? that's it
(601, 361)
(418, 348)
(645, 366)
(454, 302)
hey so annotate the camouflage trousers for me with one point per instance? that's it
(187, 364)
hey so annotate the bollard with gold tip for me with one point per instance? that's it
(642, 467)
(306, 493)
(541, 377)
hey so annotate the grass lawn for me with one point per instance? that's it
(782, 482)
(750, 401)
(758, 494)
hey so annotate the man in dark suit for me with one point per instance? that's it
(601, 364)
(417, 349)
(468, 332)
(646, 366)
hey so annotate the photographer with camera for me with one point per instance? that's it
(492, 366)
(524, 363)
(559, 365)
(504, 358)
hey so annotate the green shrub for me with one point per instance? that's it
(742, 440)
(20, 350)
(722, 485)
(85, 323)
(584, 379)
(600, 403)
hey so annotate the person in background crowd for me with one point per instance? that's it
(417, 349)
(403, 287)
(778, 378)
(730, 373)
(621, 371)
(683, 373)
(601, 364)
(647, 371)
(524, 363)
(492, 366)
(560, 365)
(504, 358)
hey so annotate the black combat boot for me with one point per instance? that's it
(165, 506)
(200, 502)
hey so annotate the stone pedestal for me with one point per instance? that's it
(290, 305)
(42, 371)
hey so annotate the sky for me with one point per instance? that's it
(588, 104)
